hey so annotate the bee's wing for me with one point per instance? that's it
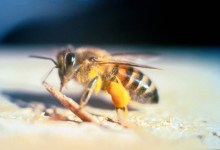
(120, 61)
(146, 55)
(137, 57)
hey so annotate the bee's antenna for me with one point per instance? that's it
(47, 58)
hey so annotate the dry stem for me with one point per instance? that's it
(70, 104)
(81, 113)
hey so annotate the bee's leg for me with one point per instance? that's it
(122, 113)
(120, 97)
(88, 92)
(47, 75)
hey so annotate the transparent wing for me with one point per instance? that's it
(137, 57)
(120, 59)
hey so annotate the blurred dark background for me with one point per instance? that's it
(153, 22)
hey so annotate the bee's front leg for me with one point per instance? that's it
(88, 92)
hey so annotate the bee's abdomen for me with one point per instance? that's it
(139, 85)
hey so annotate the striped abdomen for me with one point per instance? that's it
(139, 85)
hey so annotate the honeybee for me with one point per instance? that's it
(97, 70)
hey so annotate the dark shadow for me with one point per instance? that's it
(22, 98)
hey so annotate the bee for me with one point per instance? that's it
(97, 70)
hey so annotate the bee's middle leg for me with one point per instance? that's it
(88, 92)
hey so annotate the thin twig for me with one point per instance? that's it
(81, 113)
(70, 104)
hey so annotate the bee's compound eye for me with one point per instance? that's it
(70, 59)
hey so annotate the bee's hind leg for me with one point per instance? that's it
(122, 113)
(120, 97)
(88, 92)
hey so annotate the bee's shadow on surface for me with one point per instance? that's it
(24, 98)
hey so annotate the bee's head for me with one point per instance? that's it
(66, 64)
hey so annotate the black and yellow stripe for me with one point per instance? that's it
(139, 85)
